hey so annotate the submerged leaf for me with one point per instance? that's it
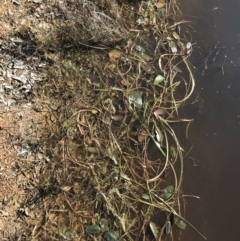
(166, 196)
(154, 229)
(168, 227)
(93, 229)
(177, 69)
(173, 151)
(181, 224)
(135, 98)
(167, 192)
(169, 188)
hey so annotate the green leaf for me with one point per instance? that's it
(175, 35)
(67, 235)
(166, 196)
(177, 69)
(140, 48)
(135, 98)
(167, 192)
(111, 236)
(91, 149)
(103, 223)
(71, 146)
(181, 224)
(169, 188)
(168, 227)
(173, 151)
(158, 80)
(154, 229)
(171, 44)
(93, 229)
(99, 196)
(144, 56)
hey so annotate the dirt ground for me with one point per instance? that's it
(15, 126)
(19, 128)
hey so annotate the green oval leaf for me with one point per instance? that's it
(166, 196)
(167, 192)
(168, 227)
(172, 44)
(93, 229)
(169, 188)
(111, 236)
(145, 196)
(135, 98)
(181, 224)
(158, 80)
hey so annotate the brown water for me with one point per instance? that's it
(212, 170)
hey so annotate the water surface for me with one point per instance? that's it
(213, 166)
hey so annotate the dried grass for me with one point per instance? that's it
(87, 23)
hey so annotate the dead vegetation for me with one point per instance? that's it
(111, 97)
